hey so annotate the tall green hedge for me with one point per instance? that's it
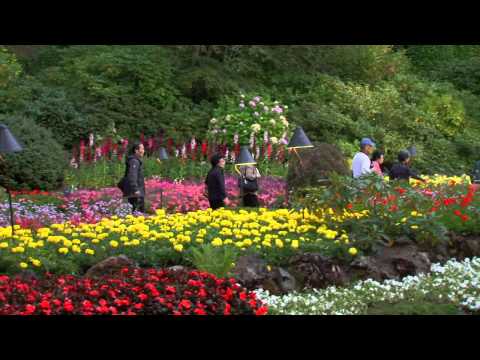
(42, 163)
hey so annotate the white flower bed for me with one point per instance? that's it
(455, 282)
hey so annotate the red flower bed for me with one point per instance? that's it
(132, 292)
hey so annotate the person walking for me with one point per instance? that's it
(248, 184)
(377, 161)
(402, 170)
(361, 164)
(215, 183)
(133, 183)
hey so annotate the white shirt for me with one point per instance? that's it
(361, 165)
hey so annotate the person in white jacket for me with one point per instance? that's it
(362, 164)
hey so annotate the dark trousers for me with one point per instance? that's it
(138, 204)
(250, 200)
(216, 204)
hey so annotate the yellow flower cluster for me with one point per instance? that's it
(259, 230)
(439, 180)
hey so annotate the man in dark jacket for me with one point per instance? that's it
(215, 183)
(134, 181)
(402, 171)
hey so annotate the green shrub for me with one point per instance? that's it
(314, 165)
(10, 71)
(40, 165)
(51, 108)
(216, 261)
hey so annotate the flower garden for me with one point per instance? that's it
(364, 246)
(59, 237)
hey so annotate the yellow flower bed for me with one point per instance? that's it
(263, 231)
(439, 180)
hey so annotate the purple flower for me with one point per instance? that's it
(253, 104)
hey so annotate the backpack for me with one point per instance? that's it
(249, 185)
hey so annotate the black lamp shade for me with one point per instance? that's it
(8, 143)
(245, 157)
(412, 150)
(163, 154)
(300, 140)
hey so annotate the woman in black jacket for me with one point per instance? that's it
(133, 184)
(215, 183)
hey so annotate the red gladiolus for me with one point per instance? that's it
(464, 218)
(457, 213)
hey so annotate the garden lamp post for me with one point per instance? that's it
(245, 159)
(8, 144)
(299, 141)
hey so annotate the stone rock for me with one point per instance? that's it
(391, 263)
(464, 247)
(110, 267)
(316, 271)
(285, 281)
(251, 271)
(177, 268)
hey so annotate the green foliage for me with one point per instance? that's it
(40, 165)
(398, 95)
(383, 215)
(10, 71)
(51, 108)
(396, 114)
(218, 261)
(364, 63)
(421, 308)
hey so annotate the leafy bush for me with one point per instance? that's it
(51, 108)
(216, 261)
(40, 165)
(314, 165)
(10, 70)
